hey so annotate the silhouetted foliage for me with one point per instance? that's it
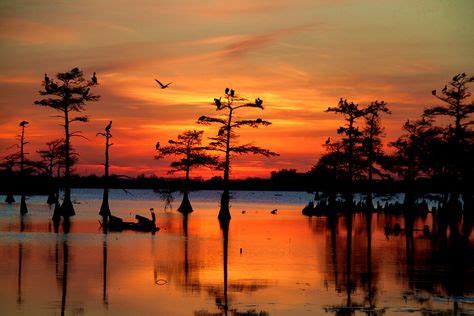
(372, 150)
(352, 138)
(455, 152)
(193, 154)
(225, 140)
(455, 96)
(68, 93)
(413, 150)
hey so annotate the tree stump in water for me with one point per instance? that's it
(185, 206)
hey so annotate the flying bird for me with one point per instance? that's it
(109, 126)
(163, 86)
(94, 79)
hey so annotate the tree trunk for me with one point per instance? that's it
(67, 209)
(224, 212)
(104, 208)
(23, 207)
(186, 206)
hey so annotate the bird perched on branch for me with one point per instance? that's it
(94, 78)
(218, 102)
(258, 101)
(46, 79)
(108, 127)
(163, 86)
(157, 146)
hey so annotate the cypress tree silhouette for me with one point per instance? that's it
(372, 143)
(225, 141)
(67, 94)
(352, 140)
(188, 145)
(331, 167)
(104, 208)
(413, 153)
(456, 151)
(456, 108)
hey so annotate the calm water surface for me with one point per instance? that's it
(284, 264)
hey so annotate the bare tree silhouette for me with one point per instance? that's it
(53, 156)
(23, 124)
(188, 145)
(225, 141)
(68, 93)
(104, 208)
(18, 165)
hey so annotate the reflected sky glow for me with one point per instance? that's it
(289, 265)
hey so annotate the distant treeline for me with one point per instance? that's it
(283, 180)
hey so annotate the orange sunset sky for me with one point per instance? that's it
(299, 56)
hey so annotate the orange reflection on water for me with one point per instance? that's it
(281, 264)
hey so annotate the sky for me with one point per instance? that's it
(299, 56)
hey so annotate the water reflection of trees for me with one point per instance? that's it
(221, 293)
(436, 259)
(185, 274)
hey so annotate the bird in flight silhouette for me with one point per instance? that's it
(163, 86)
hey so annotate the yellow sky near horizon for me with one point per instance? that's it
(298, 56)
